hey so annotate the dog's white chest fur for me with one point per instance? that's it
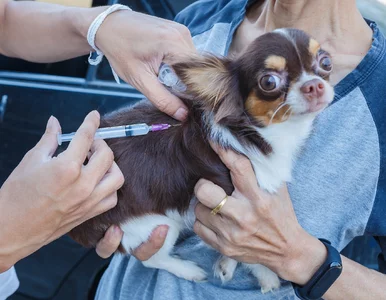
(286, 139)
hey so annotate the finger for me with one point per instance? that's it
(162, 98)
(110, 242)
(215, 223)
(207, 235)
(151, 247)
(49, 141)
(104, 196)
(211, 195)
(101, 159)
(110, 183)
(235, 162)
(84, 137)
(240, 167)
(180, 54)
(102, 206)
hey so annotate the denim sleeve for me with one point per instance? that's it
(374, 91)
(203, 14)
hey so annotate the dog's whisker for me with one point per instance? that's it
(288, 110)
(276, 111)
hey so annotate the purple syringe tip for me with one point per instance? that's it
(159, 127)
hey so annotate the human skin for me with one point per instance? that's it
(46, 196)
(41, 32)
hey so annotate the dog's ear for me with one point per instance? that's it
(211, 83)
(205, 77)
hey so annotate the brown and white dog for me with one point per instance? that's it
(261, 104)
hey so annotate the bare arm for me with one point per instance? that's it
(41, 32)
(357, 282)
(135, 44)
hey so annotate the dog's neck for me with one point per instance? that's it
(285, 139)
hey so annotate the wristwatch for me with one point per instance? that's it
(323, 278)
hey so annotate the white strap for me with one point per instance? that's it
(92, 33)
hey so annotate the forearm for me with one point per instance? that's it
(41, 32)
(355, 282)
(10, 253)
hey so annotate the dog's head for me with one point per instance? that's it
(283, 74)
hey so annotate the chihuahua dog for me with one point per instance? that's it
(261, 104)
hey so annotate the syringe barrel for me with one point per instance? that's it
(62, 138)
(137, 129)
(122, 131)
(111, 132)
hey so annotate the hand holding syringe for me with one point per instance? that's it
(118, 131)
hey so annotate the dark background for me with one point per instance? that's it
(69, 90)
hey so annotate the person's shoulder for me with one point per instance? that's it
(373, 84)
(372, 80)
(373, 89)
(203, 14)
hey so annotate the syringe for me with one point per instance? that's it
(118, 131)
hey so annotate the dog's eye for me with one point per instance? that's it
(325, 63)
(269, 82)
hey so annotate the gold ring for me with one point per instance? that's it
(218, 207)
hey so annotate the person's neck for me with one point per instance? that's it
(337, 25)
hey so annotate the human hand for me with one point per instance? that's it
(135, 44)
(110, 243)
(254, 226)
(45, 196)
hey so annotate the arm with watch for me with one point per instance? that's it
(257, 227)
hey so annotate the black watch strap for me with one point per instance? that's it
(323, 278)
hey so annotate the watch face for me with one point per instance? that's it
(336, 265)
(326, 280)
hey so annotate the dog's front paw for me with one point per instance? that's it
(225, 268)
(267, 279)
(269, 283)
(190, 271)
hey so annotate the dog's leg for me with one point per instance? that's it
(138, 230)
(267, 279)
(225, 268)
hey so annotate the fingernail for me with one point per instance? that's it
(163, 232)
(50, 122)
(116, 229)
(95, 113)
(181, 114)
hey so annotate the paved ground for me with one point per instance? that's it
(374, 10)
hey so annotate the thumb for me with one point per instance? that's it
(162, 98)
(151, 247)
(240, 167)
(49, 141)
